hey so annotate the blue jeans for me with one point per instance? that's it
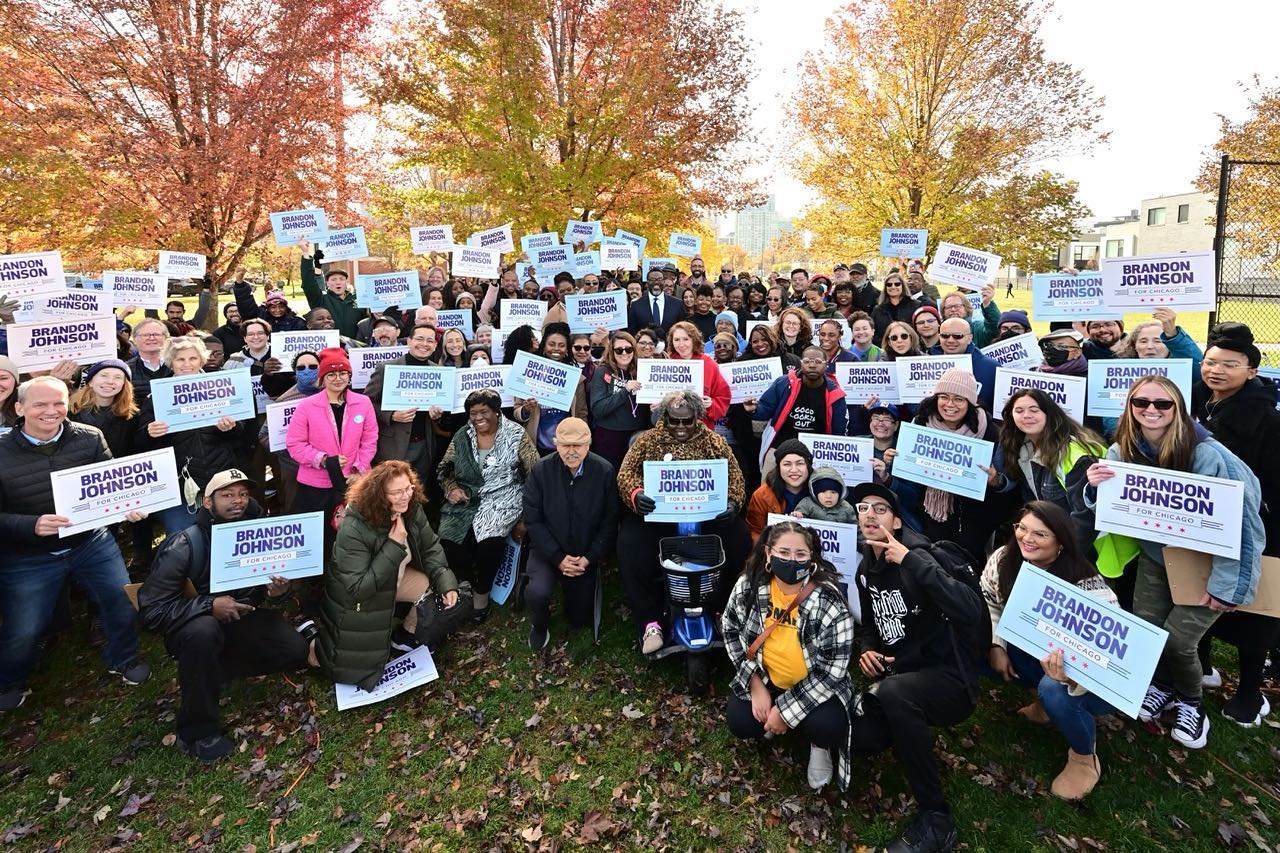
(30, 585)
(1073, 715)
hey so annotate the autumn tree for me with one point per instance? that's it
(936, 115)
(630, 111)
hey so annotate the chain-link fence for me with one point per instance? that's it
(1247, 242)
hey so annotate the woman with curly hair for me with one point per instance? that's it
(794, 331)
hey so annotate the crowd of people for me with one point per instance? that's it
(420, 505)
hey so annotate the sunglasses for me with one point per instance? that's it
(1141, 403)
(623, 350)
(952, 336)
(899, 337)
(577, 348)
(681, 422)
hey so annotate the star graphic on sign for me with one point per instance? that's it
(1073, 658)
(1051, 645)
(1182, 530)
(1085, 665)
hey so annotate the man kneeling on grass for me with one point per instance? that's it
(215, 637)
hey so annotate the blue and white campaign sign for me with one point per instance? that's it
(850, 456)
(917, 375)
(619, 256)
(660, 376)
(431, 238)
(412, 386)
(687, 491)
(747, 380)
(1185, 281)
(251, 552)
(1272, 373)
(974, 298)
(41, 345)
(400, 675)
(551, 259)
(685, 245)
(1017, 353)
(971, 269)
(365, 360)
(383, 290)
(1171, 507)
(260, 398)
(286, 345)
(497, 346)
(345, 244)
(1067, 391)
(579, 231)
(487, 376)
(649, 263)
(475, 262)
(137, 289)
(522, 312)
(494, 239)
(839, 547)
(102, 493)
(544, 240)
(181, 264)
(1063, 296)
(903, 242)
(72, 304)
(504, 579)
(590, 311)
(202, 399)
(1110, 378)
(461, 319)
(525, 272)
(278, 417)
(32, 274)
(551, 383)
(634, 239)
(293, 226)
(943, 459)
(862, 380)
(584, 263)
(1111, 653)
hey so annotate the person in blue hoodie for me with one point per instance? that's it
(955, 337)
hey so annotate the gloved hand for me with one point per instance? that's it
(645, 504)
(318, 256)
(730, 511)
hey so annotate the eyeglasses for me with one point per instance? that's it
(1011, 328)
(399, 493)
(952, 336)
(899, 337)
(1037, 535)
(877, 509)
(775, 299)
(883, 419)
(624, 350)
(152, 335)
(1226, 365)
(813, 361)
(340, 374)
(681, 422)
(1141, 403)
(580, 348)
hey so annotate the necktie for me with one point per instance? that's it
(657, 315)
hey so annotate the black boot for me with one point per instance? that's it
(930, 832)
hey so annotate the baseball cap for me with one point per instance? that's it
(229, 477)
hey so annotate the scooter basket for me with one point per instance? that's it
(701, 558)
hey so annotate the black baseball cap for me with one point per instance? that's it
(862, 491)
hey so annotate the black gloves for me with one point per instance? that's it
(644, 504)
(730, 511)
(318, 256)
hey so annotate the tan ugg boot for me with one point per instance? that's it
(1036, 713)
(1079, 776)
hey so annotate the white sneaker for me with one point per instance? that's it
(820, 770)
(1157, 701)
(1191, 729)
(1212, 681)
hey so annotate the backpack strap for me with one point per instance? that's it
(805, 592)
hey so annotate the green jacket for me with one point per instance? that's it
(346, 314)
(360, 594)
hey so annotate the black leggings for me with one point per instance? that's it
(826, 726)
(1253, 635)
(477, 561)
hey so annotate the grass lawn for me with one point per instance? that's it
(585, 745)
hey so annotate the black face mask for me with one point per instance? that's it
(789, 571)
(1055, 356)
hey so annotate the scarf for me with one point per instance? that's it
(937, 503)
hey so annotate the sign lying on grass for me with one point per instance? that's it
(400, 676)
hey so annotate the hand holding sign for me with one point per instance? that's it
(49, 525)
(1098, 474)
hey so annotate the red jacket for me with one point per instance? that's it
(713, 386)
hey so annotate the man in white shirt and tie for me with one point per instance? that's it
(654, 308)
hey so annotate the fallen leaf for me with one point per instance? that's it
(631, 712)
(533, 721)
(352, 845)
(135, 802)
(101, 814)
(532, 833)
(594, 825)
(169, 739)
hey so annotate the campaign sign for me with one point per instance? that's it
(579, 231)
(250, 552)
(1111, 653)
(504, 579)
(260, 398)
(278, 417)
(1110, 378)
(31, 274)
(648, 263)
(582, 263)
(1017, 353)
(293, 226)
(971, 269)
(525, 272)
(497, 346)
(286, 345)
(345, 244)
(521, 312)
(545, 240)
(202, 399)
(918, 375)
(1067, 391)
(400, 675)
(103, 493)
(431, 238)
(1171, 507)
(614, 256)
(903, 242)
(412, 386)
(1063, 296)
(551, 383)
(384, 290)
(660, 376)
(181, 264)
(839, 547)
(942, 459)
(1182, 280)
(138, 289)
(749, 379)
(685, 245)
(850, 456)
(469, 379)
(41, 345)
(634, 239)
(73, 303)
(461, 319)
(497, 240)
(365, 360)
(551, 260)
(687, 491)
(590, 311)
(862, 380)
(475, 262)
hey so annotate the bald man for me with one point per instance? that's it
(955, 337)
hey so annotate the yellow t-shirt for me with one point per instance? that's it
(783, 659)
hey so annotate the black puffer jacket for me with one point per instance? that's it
(203, 452)
(161, 604)
(26, 492)
(121, 433)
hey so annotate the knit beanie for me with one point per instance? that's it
(103, 365)
(959, 382)
(826, 484)
(794, 446)
(1016, 316)
(332, 360)
(7, 365)
(925, 309)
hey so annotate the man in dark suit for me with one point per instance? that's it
(641, 313)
